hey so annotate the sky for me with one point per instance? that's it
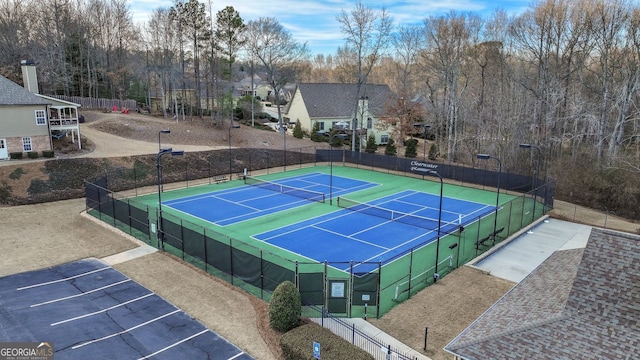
(314, 21)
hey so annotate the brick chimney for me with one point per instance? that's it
(29, 77)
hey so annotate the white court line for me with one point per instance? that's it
(174, 344)
(63, 279)
(348, 237)
(125, 331)
(101, 311)
(480, 209)
(82, 294)
(268, 211)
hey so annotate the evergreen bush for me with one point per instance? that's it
(371, 146)
(297, 130)
(390, 149)
(411, 149)
(285, 307)
(433, 151)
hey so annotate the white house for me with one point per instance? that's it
(333, 106)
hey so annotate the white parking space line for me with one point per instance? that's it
(125, 331)
(81, 294)
(63, 279)
(174, 344)
(102, 311)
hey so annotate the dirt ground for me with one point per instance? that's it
(43, 235)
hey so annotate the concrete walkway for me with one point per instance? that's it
(129, 254)
(519, 257)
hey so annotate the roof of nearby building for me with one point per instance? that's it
(58, 102)
(579, 304)
(14, 94)
(326, 100)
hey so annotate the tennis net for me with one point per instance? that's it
(393, 215)
(284, 189)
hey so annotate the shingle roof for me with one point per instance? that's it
(324, 100)
(579, 304)
(14, 94)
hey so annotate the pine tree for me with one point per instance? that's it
(411, 148)
(371, 144)
(391, 149)
(314, 132)
(433, 151)
(297, 130)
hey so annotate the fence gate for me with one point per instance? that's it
(338, 296)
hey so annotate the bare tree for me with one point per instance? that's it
(274, 47)
(163, 46)
(367, 34)
(407, 42)
(449, 40)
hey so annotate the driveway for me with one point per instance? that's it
(107, 145)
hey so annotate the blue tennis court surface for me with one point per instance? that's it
(89, 310)
(376, 231)
(247, 202)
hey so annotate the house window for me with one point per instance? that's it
(321, 125)
(26, 144)
(369, 123)
(384, 139)
(41, 117)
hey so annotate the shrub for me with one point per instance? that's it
(390, 149)
(298, 344)
(15, 155)
(47, 153)
(297, 130)
(32, 154)
(433, 151)
(371, 146)
(38, 186)
(315, 137)
(411, 148)
(285, 307)
(5, 193)
(16, 174)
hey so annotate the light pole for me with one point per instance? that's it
(535, 174)
(160, 133)
(232, 126)
(159, 168)
(495, 220)
(424, 135)
(340, 136)
(436, 276)
(159, 144)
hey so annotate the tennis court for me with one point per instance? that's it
(378, 230)
(260, 197)
(377, 237)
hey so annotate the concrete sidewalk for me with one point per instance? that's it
(519, 257)
(364, 333)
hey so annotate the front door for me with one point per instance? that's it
(4, 153)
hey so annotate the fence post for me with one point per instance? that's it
(353, 333)
(426, 332)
